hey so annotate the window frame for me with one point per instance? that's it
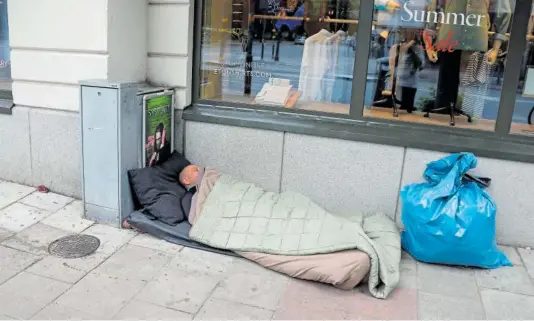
(6, 96)
(499, 143)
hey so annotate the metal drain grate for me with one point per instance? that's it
(74, 246)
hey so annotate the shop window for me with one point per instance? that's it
(284, 53)
(437, 58)
(523, 117)
(5, 62)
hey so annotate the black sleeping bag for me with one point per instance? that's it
(163, 204)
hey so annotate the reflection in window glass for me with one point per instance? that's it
(284, 53)
(523, 118)
(5, 62)
(438, 61)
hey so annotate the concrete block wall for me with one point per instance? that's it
(346, 176)
(54, 44)
(170, 46)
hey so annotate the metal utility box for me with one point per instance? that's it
(112, 130)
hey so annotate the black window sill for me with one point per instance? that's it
(449, 140)
(5, 106)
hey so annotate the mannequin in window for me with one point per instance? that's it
(405, 56)
(459, 40)
(409, 63)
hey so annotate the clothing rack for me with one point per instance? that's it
(348, 21)
(267, 17)
(326, 20)
(339, 21)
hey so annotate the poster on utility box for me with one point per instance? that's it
(158, 115)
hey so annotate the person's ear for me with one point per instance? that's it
(187, 181)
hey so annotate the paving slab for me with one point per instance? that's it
(148, 241)
(100, 295)
(510, 279)
(512, 254)
(134, 262)
(309, 300)
(13, 262)
(180, 290)
(400, 304)
(4, 234)
(314, 295)
(408, 274)
(67, 270)
(69, 218)
(35, 239)
(202, 262)
(303, 299)
(11, 192)
(139, 310)
(26, 294)
(50, 202)
(55, 311)
(527, 257)
(17, 217)
(501, 305)
(5, 317)
(308, 312)
(446, 280)
(215, 309)
(253, 285)
(440, 307)
(111, 239)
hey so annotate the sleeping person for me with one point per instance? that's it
(344, 269)
(190, 177)
(289, 233)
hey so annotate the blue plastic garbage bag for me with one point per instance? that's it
(450, 220)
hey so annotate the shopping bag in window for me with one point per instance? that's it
(450, 219)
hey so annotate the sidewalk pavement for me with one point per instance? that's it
(135, 276)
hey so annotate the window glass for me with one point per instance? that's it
(5, 62)
(523, 118)
(285, 53)
(431, 58)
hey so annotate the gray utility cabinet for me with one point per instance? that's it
(112, 130)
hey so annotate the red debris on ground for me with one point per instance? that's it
(42, 189)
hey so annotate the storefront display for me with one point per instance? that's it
(524, 104)
(427, 62)
(460, 42)
(319, 72)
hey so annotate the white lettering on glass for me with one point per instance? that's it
(435, 17)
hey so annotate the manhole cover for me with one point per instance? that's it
(74, 246)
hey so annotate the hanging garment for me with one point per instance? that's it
(331, 50)
(342, 88)
(473, 38)
(313, 66)
(476, 82)
(409, 64)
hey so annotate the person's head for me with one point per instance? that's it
(189, 175)
(158, 137)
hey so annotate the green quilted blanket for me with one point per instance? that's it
(240, 216)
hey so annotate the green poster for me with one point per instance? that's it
(158, 131)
